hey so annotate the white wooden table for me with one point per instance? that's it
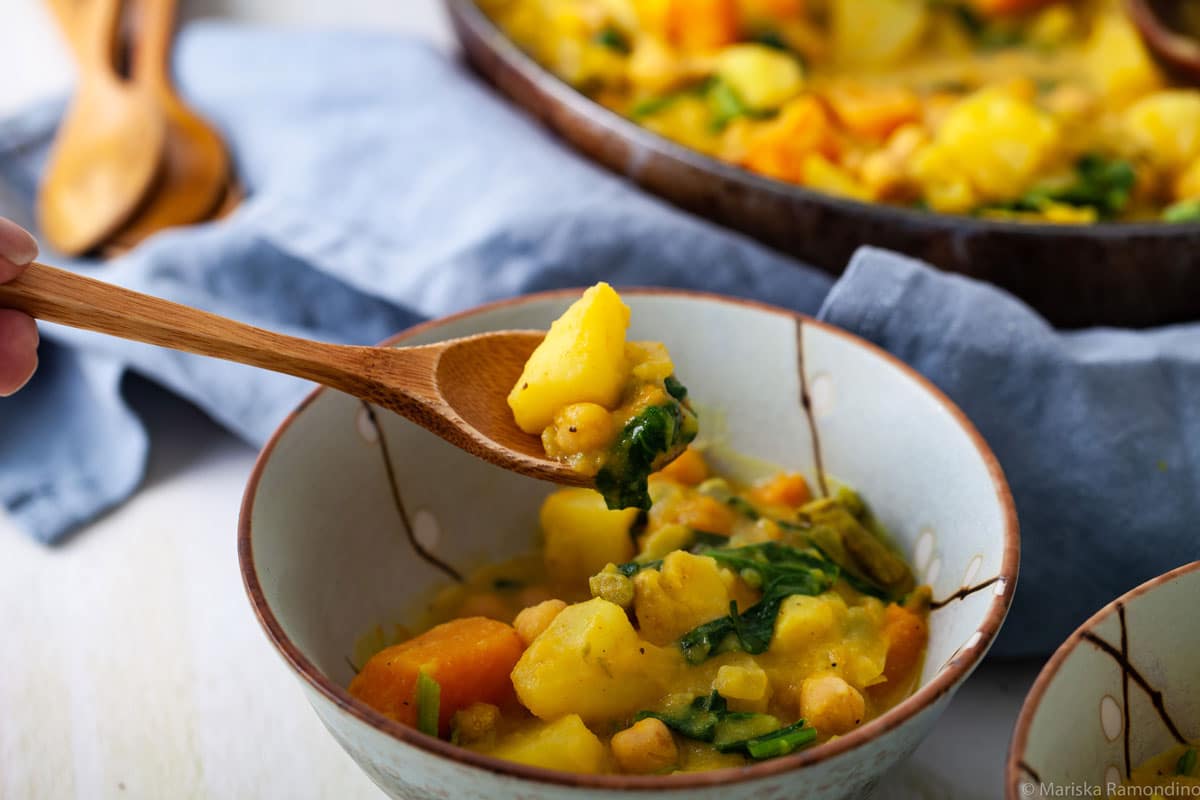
(131, 665)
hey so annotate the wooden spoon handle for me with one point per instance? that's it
(55, 295)
(92, 29)
(155, 21)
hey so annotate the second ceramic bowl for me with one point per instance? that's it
(342, 495)
(1120, 690)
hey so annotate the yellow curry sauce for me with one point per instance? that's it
(1035, 110)
(723, 624)
(1176, 768)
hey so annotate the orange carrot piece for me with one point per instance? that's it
(785, 489)
(702, 24)
(689, 468)
(470, 658)
(907, 632)
(779, 148)
(704, 513)
(874, 112)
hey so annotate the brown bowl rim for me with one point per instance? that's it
(1033, 700)
(468, 14)
(945, 681)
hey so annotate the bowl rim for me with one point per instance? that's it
(959, 666)
(1014, 764)
(468, 14)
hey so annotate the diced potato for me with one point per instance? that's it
(591, 661)
(645, 747)
(566, 744)
(530, 623)
(654, 68)
(582, 359)
(737, 682)
(876, 32)
(1118, 62)
(831, 705)
(807, 623)
(994, 142)
(823, 175)
(582, 535)
(763, 77)
(1166, 127)
(663, 539)
(1187, 186)
(687, 591)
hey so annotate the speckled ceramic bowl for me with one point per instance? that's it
(1123, 688)
(343, 500)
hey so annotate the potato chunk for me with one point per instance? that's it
(764, 78)
(687, 591)
(565, 744)
(582, 535)
(590, 661)
(1166, 126)
(581, 360)
(876, 32)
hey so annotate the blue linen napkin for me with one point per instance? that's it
(386, 185)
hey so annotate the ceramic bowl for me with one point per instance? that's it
(1122, 689)
(1076, 275)
(344, 499)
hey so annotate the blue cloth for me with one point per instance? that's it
(386, 186)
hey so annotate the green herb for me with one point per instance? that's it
(1101, 183)
(708, 719)
(614, 39)
(703, 540)
(675, 388)
(1187, 763)
(726, 105)
(743, 507)
(771, 39)
(646, 443)
(652, 105)
(781, 571)
(631, 568)
(986, 33)
(1183, 211)
(429, 700)
(781, 742)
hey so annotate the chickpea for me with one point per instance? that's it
(583, 428)
(533, 620)
(646, 747)
(475, 722)
(831, 705)
(612, 586)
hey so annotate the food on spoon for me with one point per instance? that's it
(1020, 110)
(609, 407)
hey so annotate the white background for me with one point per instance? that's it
(131, 665)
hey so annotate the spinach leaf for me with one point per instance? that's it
(726, 105)
(1183, 211)
(781, 572)
(1187, 763)
(1101, 183)
(708, 719)
(647, 441)
(675, 388)
(631, 568)
(614, 39)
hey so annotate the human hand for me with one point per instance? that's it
(18, 333)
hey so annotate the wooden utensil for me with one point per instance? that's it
(456, 389)
(109, 149)
(1158, 21)
(197, 167)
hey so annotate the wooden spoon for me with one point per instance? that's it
(197, 167)
(456, 389)
(1159, 23)
(109, 149)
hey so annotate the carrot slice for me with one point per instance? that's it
(470, 659)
